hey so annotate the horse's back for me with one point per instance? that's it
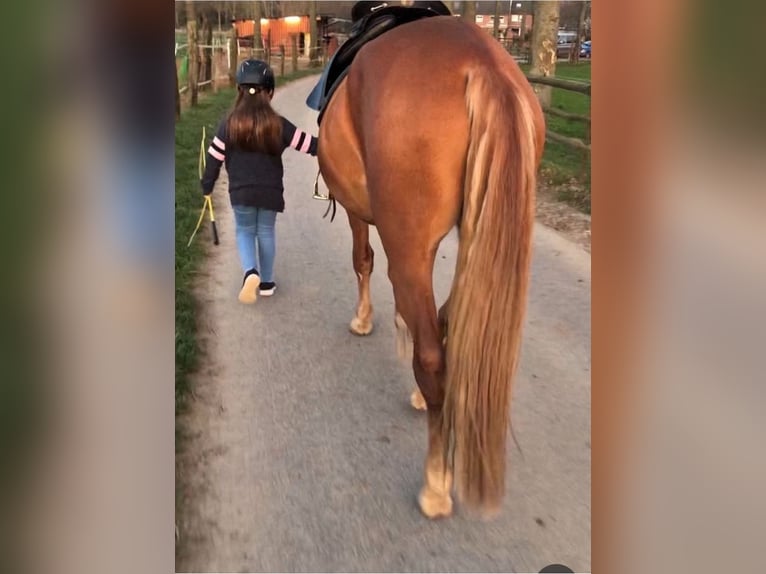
(399, 124)
(428, 61)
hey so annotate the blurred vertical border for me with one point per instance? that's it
(87, 241)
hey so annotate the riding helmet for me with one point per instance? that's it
(255, 73)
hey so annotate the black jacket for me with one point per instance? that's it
(255, 178)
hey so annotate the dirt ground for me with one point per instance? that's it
(568, 221)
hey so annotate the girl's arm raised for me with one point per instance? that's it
(298, 139)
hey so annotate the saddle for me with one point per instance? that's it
(370, 27)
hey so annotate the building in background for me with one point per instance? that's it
(519, 23)
(276, 32)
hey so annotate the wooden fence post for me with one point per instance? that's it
(206, 68)
(233, 58)
(294, 48)
(192, 76)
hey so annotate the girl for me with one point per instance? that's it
(251, 140)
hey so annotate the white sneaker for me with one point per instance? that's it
(267, 288)
(249, 292)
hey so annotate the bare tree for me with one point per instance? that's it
(580, 32)
(257, 40)
(233, 56)
(178, 96)
(206, 71)
(544, 41)
(336, 9)
(469, 11)
(220, 8)
(273, 9)
(523, 8)
(314, 34)
(193, 51)
(569, 14)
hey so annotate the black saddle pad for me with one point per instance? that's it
(367, 29)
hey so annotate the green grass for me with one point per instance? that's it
(182, 66)
(188, 205)
(209, 111)
(212, 106)
(567, 169)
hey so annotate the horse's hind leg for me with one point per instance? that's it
(405, 351)
(413, 291)
(416, 399)
(363, 256)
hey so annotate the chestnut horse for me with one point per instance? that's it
(436, 126)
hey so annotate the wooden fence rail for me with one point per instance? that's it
(572, 86)
(566, 140)
(567, 115)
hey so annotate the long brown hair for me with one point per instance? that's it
(253, 125)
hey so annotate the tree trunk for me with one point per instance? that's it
(294, 50)
(178, 95)
(193, 68)
(257, 39)
(544, 40)
(314, 35)
(580, 32)
(496, 24)
(233, 58)
(469, 11)
(207, 53)
(523, 28)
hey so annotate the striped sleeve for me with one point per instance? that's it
(216, 154)
(298, 139)
(217, 149)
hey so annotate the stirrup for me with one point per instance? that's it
(316, 194)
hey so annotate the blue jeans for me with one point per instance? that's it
(256, 224)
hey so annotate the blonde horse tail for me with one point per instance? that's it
(488, 299)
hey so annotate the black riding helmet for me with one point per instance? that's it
(256, 73)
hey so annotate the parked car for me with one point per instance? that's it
(585, 49)
(565, 41)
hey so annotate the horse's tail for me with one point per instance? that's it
(488, 299)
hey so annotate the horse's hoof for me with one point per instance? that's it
(417, 400)
(434, 505)
(360, 327)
